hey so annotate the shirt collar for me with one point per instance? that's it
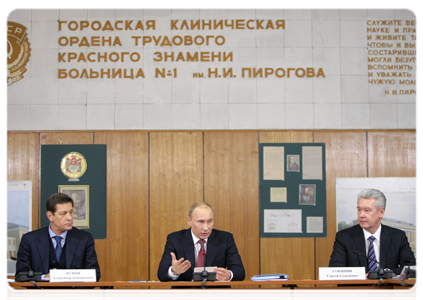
(195, 239)
(52, 234)
(376, 234)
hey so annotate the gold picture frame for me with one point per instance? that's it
(81, 198)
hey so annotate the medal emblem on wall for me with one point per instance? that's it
(18, 51)
(73, 165)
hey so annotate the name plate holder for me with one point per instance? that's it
(342, 273)
(73, 275)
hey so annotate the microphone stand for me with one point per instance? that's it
(408, 273)
(381, 274)
(29, 276)
(204, 275)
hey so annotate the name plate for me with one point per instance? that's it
(344, 273)
(73, 275)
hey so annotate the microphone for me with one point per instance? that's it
(386, 274)
(204, 275)
(26, 276)
(409, 273)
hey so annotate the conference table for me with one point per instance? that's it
(389, 289)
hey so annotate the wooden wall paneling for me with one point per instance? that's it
(286, 136)
(231, 188)
(176, 182)
(23, 164)
(392, 153)
(292, 256)
(66, 137)
(274, 136)
(345, 157)
(124, 254)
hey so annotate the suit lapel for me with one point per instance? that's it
(43, 249)
(385, 243)
(360, 245)
(188, 246)
(71, 244)
(211, 249)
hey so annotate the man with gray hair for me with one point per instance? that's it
(386, 245)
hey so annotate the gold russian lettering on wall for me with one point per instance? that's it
(70, 37)
(108, 25)
(226, 24)
(391, 55)
(281, 72)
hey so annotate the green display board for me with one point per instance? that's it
(79, 171)
(292, 190)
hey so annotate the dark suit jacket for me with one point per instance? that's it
(395, 251)
(34, 250)
(221, 252)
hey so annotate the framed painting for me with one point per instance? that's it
(81, 198)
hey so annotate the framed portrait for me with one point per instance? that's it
(293, 163)
(307, 194)
(81, 198)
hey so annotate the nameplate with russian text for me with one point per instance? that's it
(342, 273)
(73, 275)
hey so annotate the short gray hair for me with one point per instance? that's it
(198, 204)
(373, 194)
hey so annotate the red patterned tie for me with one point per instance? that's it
(200, 258)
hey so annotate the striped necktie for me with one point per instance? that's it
(371, 261)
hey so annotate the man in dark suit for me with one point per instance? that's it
(390, 245)
(38, 248)
(183, 250)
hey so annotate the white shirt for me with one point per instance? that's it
(197, 246)
(376, 243)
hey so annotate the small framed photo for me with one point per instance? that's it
(81, 199)
(307, 194)
(293, 163)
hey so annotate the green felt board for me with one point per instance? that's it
(95, 176)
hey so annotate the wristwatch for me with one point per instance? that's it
(173, 273)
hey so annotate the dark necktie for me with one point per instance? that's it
(200, 258)
(58, 248)
(371, 263)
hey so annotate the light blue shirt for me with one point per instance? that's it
(52, 234)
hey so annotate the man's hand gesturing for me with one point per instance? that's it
(179, 266)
